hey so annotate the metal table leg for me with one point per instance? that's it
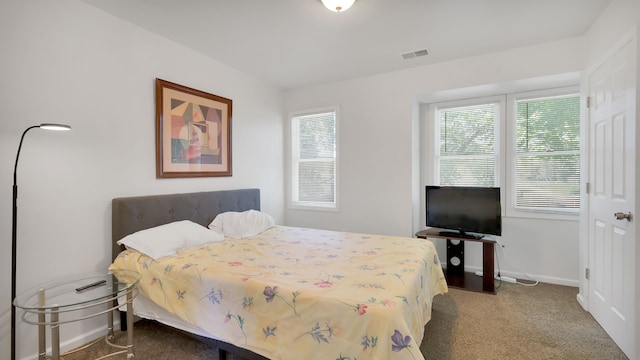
(42, 334)
(130, 354)
(55, 334)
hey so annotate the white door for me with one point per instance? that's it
(612, 149)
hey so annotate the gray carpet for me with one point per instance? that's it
(541, 322)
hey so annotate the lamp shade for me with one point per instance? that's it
(338, 5)
(58, 127)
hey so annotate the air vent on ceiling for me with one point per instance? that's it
(413, 54)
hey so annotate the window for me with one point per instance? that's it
(546, 145)
(468, 146)
(313, 139)
(526, 143)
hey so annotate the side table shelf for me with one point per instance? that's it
(66, 301)
(454, 273)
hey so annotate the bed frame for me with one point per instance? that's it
(131, 214)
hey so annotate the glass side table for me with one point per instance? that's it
(79, 299)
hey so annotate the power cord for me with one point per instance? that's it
(529, 277)
(499, 277)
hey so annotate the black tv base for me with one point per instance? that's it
(454, 273)
(459, 235)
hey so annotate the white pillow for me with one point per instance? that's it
(241, 224)
(168, 239)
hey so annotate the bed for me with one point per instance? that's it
(286, 292)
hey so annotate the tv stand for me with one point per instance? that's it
(454, 273)
(459, 235)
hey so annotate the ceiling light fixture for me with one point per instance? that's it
(338, 5)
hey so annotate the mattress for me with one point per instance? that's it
(297, 293)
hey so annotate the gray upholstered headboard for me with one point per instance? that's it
(131, 214)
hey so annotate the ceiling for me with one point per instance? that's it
(299, 43)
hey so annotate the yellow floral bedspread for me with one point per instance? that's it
(296, 293)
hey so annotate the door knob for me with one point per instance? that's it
(623, 215)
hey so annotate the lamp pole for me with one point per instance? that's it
(14, 229)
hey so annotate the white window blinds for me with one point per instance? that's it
(547, 159)
(468, 151)
(314, 159)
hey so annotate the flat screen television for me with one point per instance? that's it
(462, 211)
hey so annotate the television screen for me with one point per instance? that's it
(463, 210)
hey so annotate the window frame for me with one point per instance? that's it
(506, 159)
(294, 203)
(498, 133)
(512, 210)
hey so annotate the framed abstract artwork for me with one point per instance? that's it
(193, 132)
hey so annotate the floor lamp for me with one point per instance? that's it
(13, 233)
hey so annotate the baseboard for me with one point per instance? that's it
(83, 339)
(582, 301)
(77, 341)
(540, 278)
(547, 279)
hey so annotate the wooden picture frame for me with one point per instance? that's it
(193, 132)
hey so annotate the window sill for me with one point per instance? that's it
(314, 207)
(540, 214)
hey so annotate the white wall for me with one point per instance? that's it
(377, 164)
(614, 23)
(65, 61)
